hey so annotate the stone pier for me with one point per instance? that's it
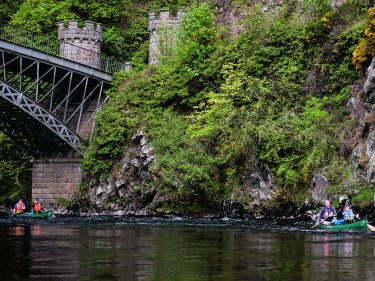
(55, 180)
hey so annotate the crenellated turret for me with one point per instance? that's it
(81, 44)
(161, 29)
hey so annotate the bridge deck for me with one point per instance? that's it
(61, 62)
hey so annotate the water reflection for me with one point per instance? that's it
(346, 255)
(170, 251)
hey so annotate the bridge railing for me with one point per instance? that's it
(44, 44)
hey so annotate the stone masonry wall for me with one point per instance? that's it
(81, 45)
(161, 31)
(55, 179)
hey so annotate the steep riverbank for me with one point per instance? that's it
(281, 211)
(260, 127)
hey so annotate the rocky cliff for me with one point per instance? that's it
(363, 141)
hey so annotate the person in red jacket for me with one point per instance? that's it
(37, 207)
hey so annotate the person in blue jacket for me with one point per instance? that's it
(327, 213)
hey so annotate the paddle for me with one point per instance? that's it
(369, 226)
(319, 223)
(356, 217)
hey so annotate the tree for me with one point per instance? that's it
(196, 35)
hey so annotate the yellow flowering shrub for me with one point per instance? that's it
(362, 53)
(366, 49)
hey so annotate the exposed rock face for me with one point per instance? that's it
(363, 158)
(319, 187)
(133, 186)
(230, 12)
(259, 184)
(369, 87)
(133, 189)
(363, 143)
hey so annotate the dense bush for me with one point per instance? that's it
(197, 36)
(15, 172)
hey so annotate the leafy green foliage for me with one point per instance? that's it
(254, 117)
(364, 197)
(15, 172)
(295, 145)
(316, 8)
(366, 49)
(341, 176)
(196, 35)
(108, 149)
(8, 8)
(181, 161)
(111, 135)
(42, 16)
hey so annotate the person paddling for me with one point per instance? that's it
(19, 207)
(327, 213)
(37, 207)
(349, 215)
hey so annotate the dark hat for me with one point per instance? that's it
(347, 203)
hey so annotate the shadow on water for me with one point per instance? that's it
(129, 248)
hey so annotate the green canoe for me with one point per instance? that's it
(47, 214)
(360, 225)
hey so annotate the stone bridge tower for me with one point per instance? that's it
(162, 32)
(81, 45)
(54, 180)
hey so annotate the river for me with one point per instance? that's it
(181, 249)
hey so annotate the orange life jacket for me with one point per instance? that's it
(37, 207)
(19, 207)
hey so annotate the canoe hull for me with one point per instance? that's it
(47, 214)
(358, 225)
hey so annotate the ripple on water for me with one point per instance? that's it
(223, 224)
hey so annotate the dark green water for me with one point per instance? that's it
(180, 249)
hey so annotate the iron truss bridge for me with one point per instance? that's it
(48, 103)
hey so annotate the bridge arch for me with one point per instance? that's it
(42, 115)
